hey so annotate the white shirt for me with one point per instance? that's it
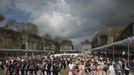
(111, 68)
(126, 68)
(71, 66)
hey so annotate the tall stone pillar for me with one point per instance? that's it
(25, 40)
(133, 29)
(43, 44)
(110, 39)
(26, 43)
(98, 38)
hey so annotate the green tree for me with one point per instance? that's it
(1, 17)
(57, 44)
(9, 24)
(47, 36)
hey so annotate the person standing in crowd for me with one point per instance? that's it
(40, 68)
(31, 68)
(71, 69)
(126, 65)
(82, 68)
(125, 68)
(17, 67)
(87, 67)
(56, 68)
(6, 67)
(105, 68)
(118, 68)
(26, 68)
(22, 68)
(92, 67)
(45, 67)
(133, 64)
(111, 69)
(1, 64)
(99, 69)
(63, 63)
(77, 63)
(49, 68)
(11, 67)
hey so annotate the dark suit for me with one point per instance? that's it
(49, 68)
(55, 68)
(125, 69)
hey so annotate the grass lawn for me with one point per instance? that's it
(1, 72)
(63, 72)
(131, 73)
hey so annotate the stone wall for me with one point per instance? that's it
(14, 40)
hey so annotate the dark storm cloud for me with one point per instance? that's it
(108, 12)
(74, 19)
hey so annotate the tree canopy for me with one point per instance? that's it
(1, 17)
(9, 24)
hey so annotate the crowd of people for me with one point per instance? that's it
(34, 65)
(94, 65)
(53, 65)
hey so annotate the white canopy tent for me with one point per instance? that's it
(129, 42)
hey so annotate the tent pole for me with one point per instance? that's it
(113, 52)
(105, 52)
(128, 54)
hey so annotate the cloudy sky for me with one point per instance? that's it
(70, 19)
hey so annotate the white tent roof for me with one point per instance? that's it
(124, 42)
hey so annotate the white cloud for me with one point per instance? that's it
(58, 23)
